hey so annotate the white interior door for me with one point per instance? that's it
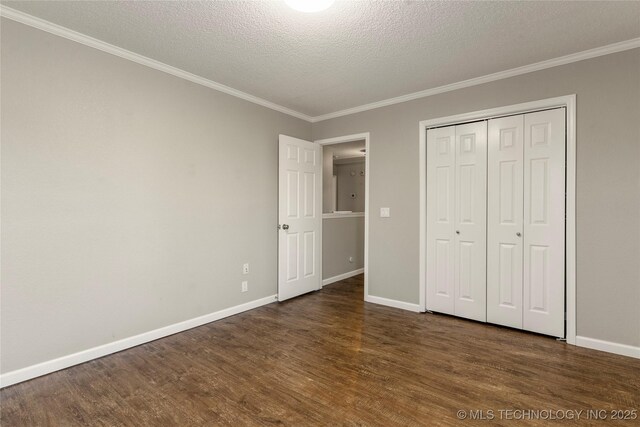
(505, 212)
(544, 222)
(440, 219)
(299, 217)
(470, 254)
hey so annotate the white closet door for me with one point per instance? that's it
(470, 275)
(544, 222)
(440, 218)
(504, 221)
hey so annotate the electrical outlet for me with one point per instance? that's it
(245, 286)
(385, 212)
(245, 268)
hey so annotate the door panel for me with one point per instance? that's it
(466, 199)
(443, 272)
(544, 222)
(309, 253)
(443, 190)
(504, 220)
(465, 270)
(470, 220)
(539, 279)
(440, 219)
(292, 242)
(309, 194)
(299, 204)
(292, 194)
(508, 279)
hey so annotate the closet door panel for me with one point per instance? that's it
(544, 222)
(505, 212)
(440, 219)
(470, 220)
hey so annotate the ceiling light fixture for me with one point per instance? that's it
(309, 5)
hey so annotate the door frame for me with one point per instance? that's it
(567, 101)
(367, 168)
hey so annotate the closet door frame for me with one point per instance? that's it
(569, 102)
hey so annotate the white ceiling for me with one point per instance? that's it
(352, 54)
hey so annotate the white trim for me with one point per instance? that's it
(342, 215)
(63, 362)
(75, 36)
(422, 197)
(367, 167)
(342, 276)
(608, 346)
(570, 222)
(393, 303)
(568, 101)
(555, 62)
(488, 114)
(61, 31)
(346, 138)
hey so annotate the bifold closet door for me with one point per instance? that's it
(505, 211)
(544, 222)
(456, 220)
(526, 222)
(470, 255)
(441, 167)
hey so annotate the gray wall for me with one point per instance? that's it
(342, 238)
(608, 183)
(130, 198)
(348, 185)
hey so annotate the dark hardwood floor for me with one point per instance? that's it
(328, 358)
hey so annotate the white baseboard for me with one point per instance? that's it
(63, 362)
(610, 347)
(393, 303)
(342, 276)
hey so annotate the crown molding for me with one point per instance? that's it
(58, 30)
(41, 24)
(562, 60)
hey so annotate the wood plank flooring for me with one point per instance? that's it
(328, 358)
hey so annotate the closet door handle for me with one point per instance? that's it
(518, 234)
(457, 231)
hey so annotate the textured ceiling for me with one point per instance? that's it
(351, 54)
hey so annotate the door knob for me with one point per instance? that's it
(518, 234)
(457, 231)
(285, 227)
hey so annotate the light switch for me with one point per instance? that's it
(385, 212)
